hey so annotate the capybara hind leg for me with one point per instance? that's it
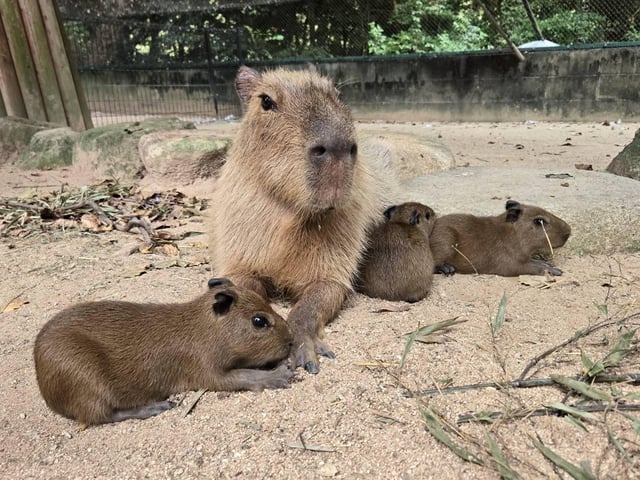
(142, 412)
(319, 303)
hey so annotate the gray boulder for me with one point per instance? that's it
(112, 151)
(15, 135)
(49, 149)
(182, 156)
(627, 162)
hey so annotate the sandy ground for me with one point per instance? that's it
(354, 419)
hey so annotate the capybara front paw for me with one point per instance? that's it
(445, 269)
(280, 377)
(306, 355)
(546, 268)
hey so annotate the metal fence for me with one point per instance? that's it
(164, 61)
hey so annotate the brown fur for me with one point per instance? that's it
(502, 245)
(108, 361)
(294, 201)
(398, 264)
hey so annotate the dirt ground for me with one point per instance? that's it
(352, 420)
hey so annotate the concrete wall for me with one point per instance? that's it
(570, 84)
(587, 84)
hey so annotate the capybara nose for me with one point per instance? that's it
(333, 149)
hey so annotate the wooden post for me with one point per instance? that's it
(9, 88)
(37, 37)
(71, 91)
(501, 31)
(22, 61)
(38, 79)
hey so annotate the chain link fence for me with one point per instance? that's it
(153, 57)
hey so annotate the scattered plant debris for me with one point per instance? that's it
(100, 208)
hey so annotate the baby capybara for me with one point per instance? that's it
(295, 201)
(502, 245)
(107, 361)
(398, 264)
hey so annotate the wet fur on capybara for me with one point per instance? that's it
(398, 264)
(503, 245)
(295, 201)
(107, 361)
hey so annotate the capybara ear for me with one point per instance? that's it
(246, 81)
(511, 204)
(223, 303)
(389, 211)
(513, 213)
(429, 213)
(218, 282)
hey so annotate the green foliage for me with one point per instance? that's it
(174, 32)
(571, 27)
(429, 28)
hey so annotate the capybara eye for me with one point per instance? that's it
(539, 221)
(354, 150)
(268, 103)
(260, 321)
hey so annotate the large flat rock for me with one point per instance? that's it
(603, 209)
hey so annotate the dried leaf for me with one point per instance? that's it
(14, 304)
(65, 223)
(392, 308)
(537, 281)
(145, 249)
(311, 448)
(558, 175)
(169, 249)
(583, 166)
(136, 271)
(90, 222)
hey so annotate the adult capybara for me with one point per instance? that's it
(294, 201)
(398, 264)
(502, 245)
(107, 361)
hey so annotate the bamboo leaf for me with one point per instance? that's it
(426, 330)
(620, 350)
(573, 470)
(589, 367)
(575, 422)
(616, 442)
(573, 411)
(434, 426)
(502, 464)
(498, 321)
(582, 388)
